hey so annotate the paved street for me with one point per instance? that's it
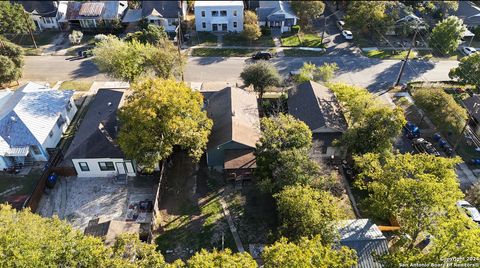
(372, 73)
(355, 69)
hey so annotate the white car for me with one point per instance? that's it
(347, 34)
(470, 210)
(340, 24)
(468, 50)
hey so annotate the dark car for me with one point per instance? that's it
(262, 56)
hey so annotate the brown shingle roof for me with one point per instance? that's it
(235, 117)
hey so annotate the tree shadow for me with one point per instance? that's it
(208, 60)
(85, 69)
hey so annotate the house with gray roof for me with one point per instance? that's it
(162, 13)
(235, 131)
(469, 12)
(365, 238)
(32, 121)
(43, 13)
(276, 15)
(94, 151)
(317, 106)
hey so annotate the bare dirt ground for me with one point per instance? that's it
(78, 200)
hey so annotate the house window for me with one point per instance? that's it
(235, 13)
(36, 150)
(50, 134)
(234, 24)
(106, 166)
(203, 13)
(223, 13)
(69, 107)
(214, 13)
(47, 20)
(204, 25)
(88, 23)
(60, 121)
(83, 166)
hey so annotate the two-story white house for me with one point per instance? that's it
(219, 16)
(32, 120)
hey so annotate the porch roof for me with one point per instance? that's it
(17, 151)
(240, 159)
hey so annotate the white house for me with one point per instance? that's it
(162, 13)
(32, 120)
(276, 14)
(43, 13)
(94, 151)
(219, 16)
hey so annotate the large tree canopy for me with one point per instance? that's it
(11, 59)
(129, 61)
(373, 126)
(151, 34)
(305, 211)
(159, 115)
(261, 75)
(13, 19)
(369, 17)
(308, 10)
(414, 189)
(307, 253)
(441, 108)
(446, 35)
(221, 259)
(468, 70)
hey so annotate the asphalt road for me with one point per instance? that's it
(374, 74)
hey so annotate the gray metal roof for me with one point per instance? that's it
(365, 238)
(167, 9)
(96, 135)
(317, 106)
(274, 11)
(468, 12)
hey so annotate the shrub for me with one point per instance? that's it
(266, 30)
(100, 37)
(295, 29)
(75, 37)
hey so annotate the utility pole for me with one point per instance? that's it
(406, 59)
(29, 28)
(179, 38)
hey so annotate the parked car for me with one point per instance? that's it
(340, 25)
(423, 146)
(468, 50)
(347, 34)
(263, 55)
(470, 210)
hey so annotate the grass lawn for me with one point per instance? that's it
(204, 38)
(426, 54)
(223, 52)
(18, 185)
(389, 54)
(238, 40)
(76, 85)
(41, 38)
(302, 40)
(292, 52)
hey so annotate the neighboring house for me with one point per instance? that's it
(109, 230)
(162, 13)
(43, 13)
(276, 14)
(219, 16)
(472, 105)
(94, 151)
(94, 14)
(318, 107)
(32, 120)
(235, 132)
(365, 238)
(469, 13)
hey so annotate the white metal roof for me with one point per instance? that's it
(218, 3)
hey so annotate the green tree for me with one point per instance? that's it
(446, 7)
(373, 126)
(159, 115)
(307, 253)
(226, 258)
(441, 108)
(151, 34)
(416, 190)
(250, 17)
(28, 240)
(131, 60)
(251, 32)
(261, 75)
(305, 211)
(279, 134)
(310, 71)
(308, 10)
(11, 59)
(369, 17)
(13, 19)
(446, 35)
(468, 70)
